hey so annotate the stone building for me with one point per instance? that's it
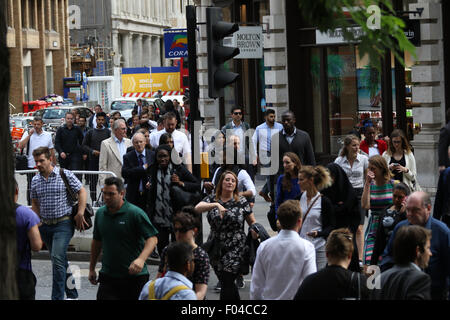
(130, 33)
(38, 42)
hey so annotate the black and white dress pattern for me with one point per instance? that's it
(230, 232)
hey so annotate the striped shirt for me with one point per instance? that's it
(381, 196)
(52, 195)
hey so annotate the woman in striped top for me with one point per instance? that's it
(377, 195)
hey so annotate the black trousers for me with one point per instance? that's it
(165, 236)
(120, 288)
(229, 289)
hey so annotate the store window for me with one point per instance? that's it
(353, 96)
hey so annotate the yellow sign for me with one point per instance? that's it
(145, 82)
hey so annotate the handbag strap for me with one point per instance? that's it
(309, 209)
(70, 192)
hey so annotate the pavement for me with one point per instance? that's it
(79, 259)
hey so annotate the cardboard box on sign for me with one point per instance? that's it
(17, 133)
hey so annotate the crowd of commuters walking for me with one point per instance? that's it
(154, 206)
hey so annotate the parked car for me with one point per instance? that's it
(126, 105)
(56, 115)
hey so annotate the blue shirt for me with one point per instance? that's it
(51, 193)
(283, 195)
(439, 265)
(121, 147)
(170, 280)
(263, 134)
(25, 220)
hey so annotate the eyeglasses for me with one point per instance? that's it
(237, 113)
(396, 142)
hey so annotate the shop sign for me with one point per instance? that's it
(175, 43)
(412, 31)
(337, 35)
(249, 40)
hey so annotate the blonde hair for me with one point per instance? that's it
(220, 185)
(320, 174)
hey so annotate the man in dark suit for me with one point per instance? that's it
(92, 121)
(138, 107)
(135, 164)
(406, 280)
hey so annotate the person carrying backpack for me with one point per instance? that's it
(175, 284)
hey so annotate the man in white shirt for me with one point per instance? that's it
(180, 140)
(36, 137)
(284, 261)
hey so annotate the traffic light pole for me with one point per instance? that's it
(191, 21)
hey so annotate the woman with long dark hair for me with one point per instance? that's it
(401, 161)
(287, 183)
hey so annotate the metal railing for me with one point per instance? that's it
(89, 179)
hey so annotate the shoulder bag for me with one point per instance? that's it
(309, 209)
(22, 160)
(73, 197)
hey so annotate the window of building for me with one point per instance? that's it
(24, 8)
(27, 84)
(32, 15)
(54, 14)
(49, 73)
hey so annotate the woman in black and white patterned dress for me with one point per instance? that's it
(227, 212)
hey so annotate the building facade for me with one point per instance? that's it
(126, 33)
(38, 42)
(331, 90)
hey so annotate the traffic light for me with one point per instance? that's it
(216, 30)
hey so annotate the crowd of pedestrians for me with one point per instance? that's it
(154, 205)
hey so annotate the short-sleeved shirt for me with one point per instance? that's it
(37, 140)
(201, 269)
(25, 220)
(180, 141)
(354, 173)
(123, 235)
(230, 232)
(51, 193)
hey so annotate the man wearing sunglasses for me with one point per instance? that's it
(236, 125)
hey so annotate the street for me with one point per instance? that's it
(43, 270)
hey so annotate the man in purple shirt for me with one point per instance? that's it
(28, 238)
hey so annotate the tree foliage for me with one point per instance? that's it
(330, 14)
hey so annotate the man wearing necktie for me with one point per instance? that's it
(134, 168)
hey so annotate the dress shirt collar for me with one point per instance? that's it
(137, 153)
(293, 133)
(117, 140)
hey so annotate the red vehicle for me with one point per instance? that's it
(184, 73)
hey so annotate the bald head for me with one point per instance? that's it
(139, 142)
(418, 208)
